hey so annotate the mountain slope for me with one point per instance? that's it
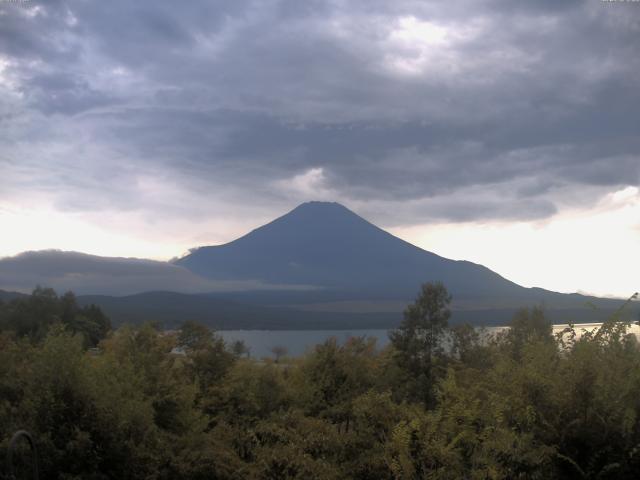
(328, 246)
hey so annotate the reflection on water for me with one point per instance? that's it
(297, 342)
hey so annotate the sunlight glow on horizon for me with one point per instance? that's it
(48, 229)
(589, 251)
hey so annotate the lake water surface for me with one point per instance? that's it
(298, 342)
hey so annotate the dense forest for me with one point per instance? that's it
(438, 403)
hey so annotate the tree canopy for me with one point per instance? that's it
(520, 404)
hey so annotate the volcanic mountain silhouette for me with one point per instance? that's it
(320, 266)
(326, 245)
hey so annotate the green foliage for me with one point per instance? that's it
(195, 336)
(523, 404)
(33, 316)
(528, 326)
(418, 340)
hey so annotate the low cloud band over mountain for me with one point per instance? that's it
(91, 274)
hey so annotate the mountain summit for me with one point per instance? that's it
(328, 246)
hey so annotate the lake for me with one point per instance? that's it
(298, 342)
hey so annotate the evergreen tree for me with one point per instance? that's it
(418, 339)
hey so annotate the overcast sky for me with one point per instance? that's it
(506, 132)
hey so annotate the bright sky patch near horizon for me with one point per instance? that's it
(505, 133)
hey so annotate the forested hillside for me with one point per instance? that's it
(523, 404)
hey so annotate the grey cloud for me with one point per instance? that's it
(64, 93)
(226, 98)
(31, 31)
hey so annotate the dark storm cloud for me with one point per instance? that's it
(487, 110)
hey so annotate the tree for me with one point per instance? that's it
(89, 321)
(279, 351)
(418, 339)
(195, 336)
(466, 346)
(33, 316)
(240, 349)
(527, 327)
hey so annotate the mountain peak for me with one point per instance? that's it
(321, 204)
(315, 207)
(320, 218)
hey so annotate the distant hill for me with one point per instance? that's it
(171, 309)
(8, 296)
(245, 312)
(93, 274)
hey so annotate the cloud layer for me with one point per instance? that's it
(412, 112)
